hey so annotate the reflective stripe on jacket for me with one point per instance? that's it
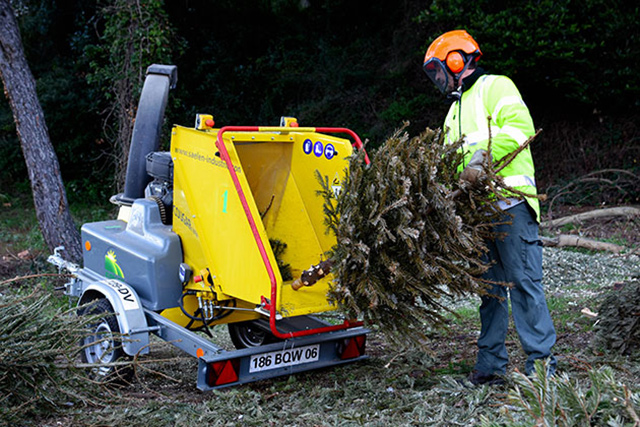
(493, 107)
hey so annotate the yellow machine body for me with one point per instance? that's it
(277, 174)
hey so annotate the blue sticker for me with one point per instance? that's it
(307, 146)
(318, 149)
(329, 151)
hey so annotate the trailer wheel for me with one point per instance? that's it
(102, 346)
(249, 334)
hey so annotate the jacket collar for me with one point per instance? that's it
(472, 78)
(467, 83)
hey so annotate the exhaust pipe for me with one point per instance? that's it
(146, 130)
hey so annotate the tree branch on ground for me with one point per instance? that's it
(580, 242)
(626, 211)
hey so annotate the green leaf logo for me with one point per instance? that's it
(111, 266)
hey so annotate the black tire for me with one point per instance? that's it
(249, 334)
(102, 346)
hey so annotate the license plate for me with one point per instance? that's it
(289, 357)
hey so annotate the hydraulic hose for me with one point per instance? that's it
(194, 318)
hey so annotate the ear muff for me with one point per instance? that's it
(455, 62)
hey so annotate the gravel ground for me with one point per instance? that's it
(570, 272)
(567, 268)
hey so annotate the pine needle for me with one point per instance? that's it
(409, 235)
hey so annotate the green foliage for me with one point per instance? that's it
(541, 400)
(131, 36)
(618, 326)
(62, 90)
(38, 346)
(19, 228)
(578, 53)
(329, 63)
(345, 63)
(279, 247)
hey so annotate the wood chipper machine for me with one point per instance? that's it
(215, 231)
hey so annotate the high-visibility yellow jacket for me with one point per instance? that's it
(494, 103)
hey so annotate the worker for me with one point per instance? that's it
(481, 103)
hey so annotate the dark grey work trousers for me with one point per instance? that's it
(518, 261)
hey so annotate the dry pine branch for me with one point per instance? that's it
(409, 235)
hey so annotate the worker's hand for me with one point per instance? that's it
(472, 174)
(475, 170)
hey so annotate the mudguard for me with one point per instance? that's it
(128, 310)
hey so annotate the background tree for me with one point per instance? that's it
(349, 63)
(130, 36)
(49, 194)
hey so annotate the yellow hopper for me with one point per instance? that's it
(238, 188)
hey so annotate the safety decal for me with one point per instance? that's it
(307, 146)
(318, 149)
(336, 186)
(111, 266)
(329, 151)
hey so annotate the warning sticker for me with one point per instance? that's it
(336, 186)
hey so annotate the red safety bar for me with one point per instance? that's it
(224, 155)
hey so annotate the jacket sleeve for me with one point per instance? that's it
(510, 114)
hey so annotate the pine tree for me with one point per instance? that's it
(409, 233)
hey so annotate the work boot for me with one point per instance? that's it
(480, 378)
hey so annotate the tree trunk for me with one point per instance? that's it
(49, 195)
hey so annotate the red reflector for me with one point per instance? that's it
(223, 372)
(352, 347)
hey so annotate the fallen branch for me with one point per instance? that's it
(33, 276)
(580, 242)
(628, 211)
(588, 313)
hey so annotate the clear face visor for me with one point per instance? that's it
(436, 71)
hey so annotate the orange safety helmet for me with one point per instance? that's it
(453, 52)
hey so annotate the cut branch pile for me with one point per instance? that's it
(38, 347)
(618, 327)
(409, 234)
